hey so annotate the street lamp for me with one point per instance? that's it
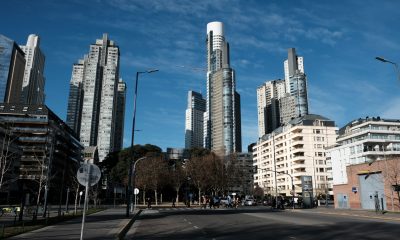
(396, 67)
(129, 192)
(134, 182)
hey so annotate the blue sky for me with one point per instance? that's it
(339, 41)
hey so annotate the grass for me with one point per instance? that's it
(27, 226)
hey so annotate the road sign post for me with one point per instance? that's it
(88, 175)
(136, 192)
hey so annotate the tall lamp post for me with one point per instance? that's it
(134, 183)
(396, 67)
(129, 192)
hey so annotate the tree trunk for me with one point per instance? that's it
(177, 196)
(199, 197)
(155, 196)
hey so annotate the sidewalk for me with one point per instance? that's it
(106, 224)
(386, 215)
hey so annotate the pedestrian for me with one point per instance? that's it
(148, 202)
(173, 201)
(202, 201)
(211, 202)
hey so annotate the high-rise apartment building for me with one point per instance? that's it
(93, 105)
(268, 96)
(75, 98)
(12, 65)
(279, 101)
(222, 125)
(121, 102)
(295, 102)
(34, 81)
(194, 124)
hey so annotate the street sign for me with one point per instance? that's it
(136, 191)
(83, 174)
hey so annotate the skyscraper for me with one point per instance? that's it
(295, 102)
(94, 111)
(34, 81)
(12, 65)
(279, 101)
(268, 96)
(119, 128)
(222, 132)
(194, 124)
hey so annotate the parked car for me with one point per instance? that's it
(224, 202)
(250, 202)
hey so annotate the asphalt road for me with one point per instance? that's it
(253, 223)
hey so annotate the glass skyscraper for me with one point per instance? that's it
(222, 127)
(12, 65)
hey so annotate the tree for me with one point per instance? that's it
(258, 192)
(235, 175)
(151, 172)
(392, 176)
(196, 169)
(8, 154)
(177, 177)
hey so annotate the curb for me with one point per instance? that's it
(126, 228)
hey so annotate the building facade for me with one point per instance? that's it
(296, 149)
(245, 180)
(366, 157)
(280, 101)
(268, 96)
(222, 125)
(120, 118)
(95, 91)
(194, 124)
(51, 152)
(10, 153)
(295, 103)
(34, 80)
(12, 65)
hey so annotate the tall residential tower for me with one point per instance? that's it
(268, 96)
(222, 127)
(194, 120)
(94, 107)
(34, 81)
(295, 102)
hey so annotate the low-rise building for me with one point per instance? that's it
(365, 163)
(51, 153)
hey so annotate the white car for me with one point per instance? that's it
(250, 202)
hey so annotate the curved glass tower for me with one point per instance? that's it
(222, 128)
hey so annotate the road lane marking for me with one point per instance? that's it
(196, 227)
